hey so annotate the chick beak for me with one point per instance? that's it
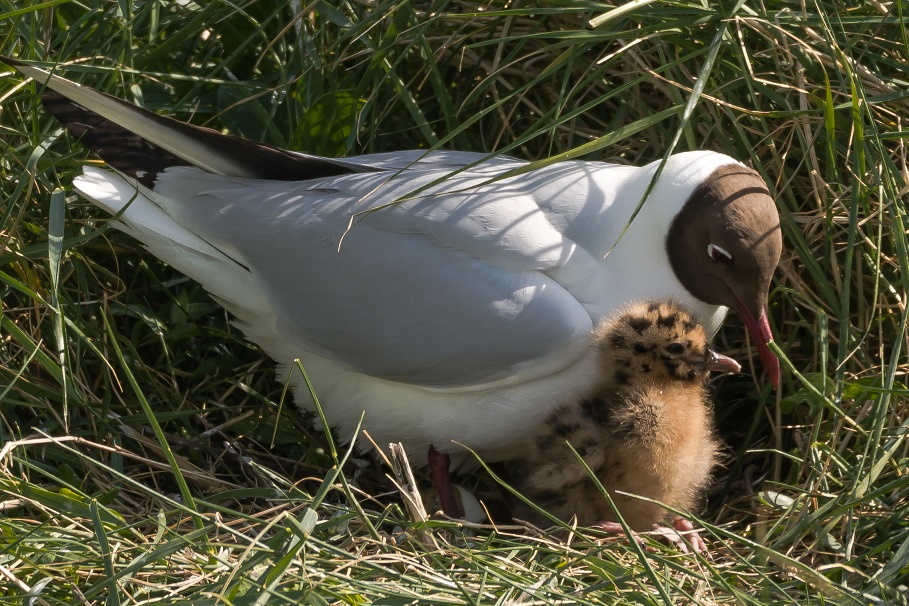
(717, 362)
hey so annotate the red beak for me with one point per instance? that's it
(759, 330)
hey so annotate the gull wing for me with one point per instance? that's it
(454, 288)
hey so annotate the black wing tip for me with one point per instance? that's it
(142, 160)
(11, 61)
(120, 148)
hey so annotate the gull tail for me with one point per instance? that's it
(139, 144)
(136, 212)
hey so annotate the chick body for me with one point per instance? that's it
(645, 429)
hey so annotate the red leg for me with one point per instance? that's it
(438, 470)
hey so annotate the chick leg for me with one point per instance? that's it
(616, 529)
(439, 471)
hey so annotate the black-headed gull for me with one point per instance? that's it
(447, 299)
(646, 428)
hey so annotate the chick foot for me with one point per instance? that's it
(667, 535)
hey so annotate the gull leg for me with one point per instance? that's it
(438, 470)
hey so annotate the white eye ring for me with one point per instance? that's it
(719, 254)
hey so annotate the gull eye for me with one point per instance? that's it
(719, 254)
(674, 349)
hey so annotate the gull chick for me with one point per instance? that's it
(645, 429)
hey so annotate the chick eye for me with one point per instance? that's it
(675, 349)
(719, 254)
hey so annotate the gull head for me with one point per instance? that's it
(724, 245)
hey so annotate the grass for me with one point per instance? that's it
(150, 456)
